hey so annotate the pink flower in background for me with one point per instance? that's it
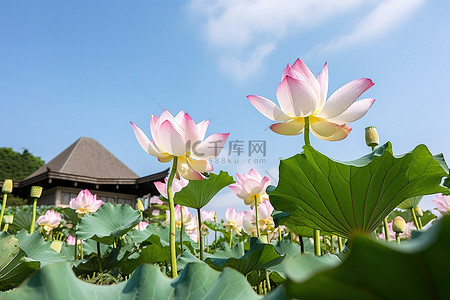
(156, 200)
(206, 216)
(265, 220)
(189, 221)
(249, 222)
(141, 226)
(50, 220)
(233, 220)
(177, 185)
(180, 137)
(442, 203)
(250, 186)
(71, 240)
(85, 203)
(300, 94)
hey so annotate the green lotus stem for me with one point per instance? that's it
(33, 220)
(269, 288)
(181, 229)
(173, 253)
(307, 142)
(386, 230)
(99, 253)
(5, 196)
(231, 237)
(340, 244)
(317, 250)
(420, 222)
(279, 234)
(416, 223)
(200, 237)
(5, 228)
(75, 256)
(206, 243)
(302, 245)
(81, 250)
(373, 148)
(256, 216)
(397, 237)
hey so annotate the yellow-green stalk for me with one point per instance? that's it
(256, 216)
(173, 252)
(35, 193)
(6, 189)
(200, 236)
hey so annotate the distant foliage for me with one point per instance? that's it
(17, 166)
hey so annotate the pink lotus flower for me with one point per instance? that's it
(177, 185)
(442, 203)
(300, 95)
(85, 203)
(189, 221)
(50, 220)
(251, 186)
(233, 220)
(206, 216)
(156, 200)
(71, 240)
(141, 226)
(180, 137)
(265, 220)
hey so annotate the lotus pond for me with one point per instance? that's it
(328, 230)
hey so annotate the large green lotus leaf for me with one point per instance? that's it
(108, 223)
(14, 266)
(410, 202)
(22, 220)
(150, 254)
(417, 269)
(346, 198)
(196, 281)
(198, 193)
(260, 256)
(37, 249)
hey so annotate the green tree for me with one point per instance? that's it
(17, 166)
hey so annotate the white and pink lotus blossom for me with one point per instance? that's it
(156, 200)
(251, 187)
(442, 203)
(85, 203)
(206, 216)
(404, 235)
(50, 220)
(181, 137)
(177, 185)
(265, 220)
(189, 221)
(300, 94)
(141, 226)
(233, 220)
(71, 240)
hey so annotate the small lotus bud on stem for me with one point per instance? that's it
(140, 205)
(372, 139)
(35, 193)
(418, 211)
(7, 186)
(399, 224)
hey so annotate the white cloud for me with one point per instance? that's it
(245, 32)
(384, 18)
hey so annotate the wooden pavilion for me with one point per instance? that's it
(88, 165)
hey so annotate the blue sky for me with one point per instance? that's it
(87, 68)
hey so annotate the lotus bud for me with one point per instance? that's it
(36, 191)
(140, 205)
(372, 139)
(418, 211)
(399, 225)
(56, 245)
(215, 215)
(8, 219)
(7, 186)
